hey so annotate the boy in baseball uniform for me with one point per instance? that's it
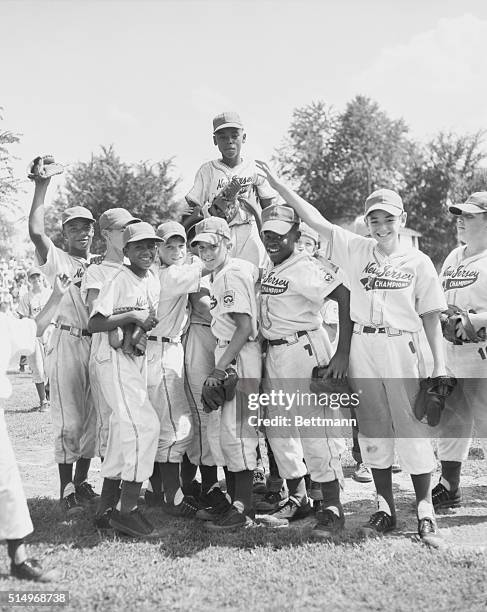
(30, 304)
(293, 291)
(233, 441)
(251, 191)
(394, 293)
(112, 224)
(178, 276)
(129, 298)
(15, 521)
(67, 356)
(464, 280)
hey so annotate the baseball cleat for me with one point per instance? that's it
(379, 523)
(133, 524)
(271, 501)
(362, 473)
(31, 569)
(85, 493)
(216, 504)
(153, 500)
(443, 498)
(187, 508)
(194, 489)
(329, 525)
(102, 521)
(428, 532)
(259, 482)
(43, 406)
(71, 505)
(290, 510)
(234, 518)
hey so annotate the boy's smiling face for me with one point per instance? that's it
(173, 251)
(141, 254)
(384, 227)
(229, 141)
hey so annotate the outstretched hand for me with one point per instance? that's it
(62, 283)
(267, 173)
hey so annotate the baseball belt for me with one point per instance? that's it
(74, 331)
(288, 339)
(176, 340)
(368, 329)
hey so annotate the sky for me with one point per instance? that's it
(148, 76)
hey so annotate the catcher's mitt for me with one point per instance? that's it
(431, 397)
(214, 396)
(43, 168)
(320, 383)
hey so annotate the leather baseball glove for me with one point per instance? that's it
(450, 324)
(43, 168)
(321, 383)
(218, 388)
(431, 397)
(225, 204)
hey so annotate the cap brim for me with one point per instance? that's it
(181, 234)
(389, 208)
(458, 209)
(228, 125)
(78, 217)
(276, 226)
(213, 239)
(143, 237)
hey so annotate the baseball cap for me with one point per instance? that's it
(76, 212)
(33, 271)
(116, 218)
(384, 199)
(278, 219)
(306, 230)
(139, 231)
(475, 203)
(228, 119)
(170, 228)
(211, 230)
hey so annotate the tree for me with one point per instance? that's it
(9, 185)
(145, 189)
(445, 170)
(336, 160)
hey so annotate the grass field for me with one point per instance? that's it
(189, 568)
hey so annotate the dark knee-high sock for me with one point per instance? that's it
(243, 488)
(383, 486)
(450, 471)
(16, 551)
(188, 474)
(156, 478)
(422, 487)
(297, 488)
(110, 494)
(65, 475)
(129, 496)
(209, 477)
(81, 471)
(331, 495)
(230, 480)
(170, 480)
(41, 391)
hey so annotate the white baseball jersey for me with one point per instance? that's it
(72, 310)
(214, 175)
(292, 294)
(97, 275)
(233, 291)
(176, 282)
(386, 291)
(31, 303)
(126, 291)
(464, 280)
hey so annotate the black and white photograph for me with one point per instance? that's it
(243, 305)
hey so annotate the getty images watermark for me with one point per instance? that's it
(280, 408)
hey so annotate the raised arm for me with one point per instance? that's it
(305, 210)
(36, 219)
(48, 314)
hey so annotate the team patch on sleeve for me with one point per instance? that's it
(228, 299)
